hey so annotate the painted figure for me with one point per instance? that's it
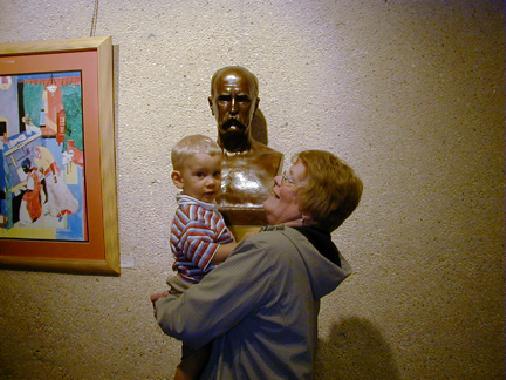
(59, 199)
(249, 166)
(31, 207)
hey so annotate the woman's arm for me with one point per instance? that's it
(223, 298)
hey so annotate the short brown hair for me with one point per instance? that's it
(331, 191)
(191, 145)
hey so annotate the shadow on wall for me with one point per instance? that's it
(354, 350)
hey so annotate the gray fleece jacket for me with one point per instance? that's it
(259, 309)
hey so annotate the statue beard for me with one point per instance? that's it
(234, 136)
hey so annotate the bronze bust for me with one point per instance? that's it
(248, 166)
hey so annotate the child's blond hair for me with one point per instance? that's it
(191, 145)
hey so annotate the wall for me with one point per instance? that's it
(410, 93)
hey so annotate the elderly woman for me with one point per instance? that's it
(260, 307)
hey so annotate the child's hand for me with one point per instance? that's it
(249, 234)
(156, 296)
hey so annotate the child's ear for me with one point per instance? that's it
(177, 179)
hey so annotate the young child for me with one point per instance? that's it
(199, 238)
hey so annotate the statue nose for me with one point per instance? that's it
(234, 107)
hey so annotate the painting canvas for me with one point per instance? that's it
(57, 156)
(42, 193)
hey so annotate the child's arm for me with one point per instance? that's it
(249, 234)
(223, 251)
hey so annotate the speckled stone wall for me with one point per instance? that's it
(410, 93)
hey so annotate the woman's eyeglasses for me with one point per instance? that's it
(287, 179)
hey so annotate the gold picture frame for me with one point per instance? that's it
(37, 231)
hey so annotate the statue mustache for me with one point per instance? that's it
(232, 123)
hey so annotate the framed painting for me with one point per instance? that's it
(57, 156)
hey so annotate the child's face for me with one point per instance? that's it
(200, 178)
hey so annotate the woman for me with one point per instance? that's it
(260, 307)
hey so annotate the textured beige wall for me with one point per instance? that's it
(410, 93)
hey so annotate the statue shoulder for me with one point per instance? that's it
(260, 148)
(267, 157)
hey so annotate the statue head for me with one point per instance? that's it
(233, 101)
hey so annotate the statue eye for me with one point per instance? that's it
(243, 98)
(224, 98)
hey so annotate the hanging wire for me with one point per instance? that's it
(94, 20)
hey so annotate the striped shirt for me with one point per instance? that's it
(197, 231)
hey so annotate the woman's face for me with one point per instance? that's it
(281, 206)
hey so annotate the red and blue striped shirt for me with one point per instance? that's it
(197, 231)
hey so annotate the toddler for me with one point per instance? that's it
(199, 238)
